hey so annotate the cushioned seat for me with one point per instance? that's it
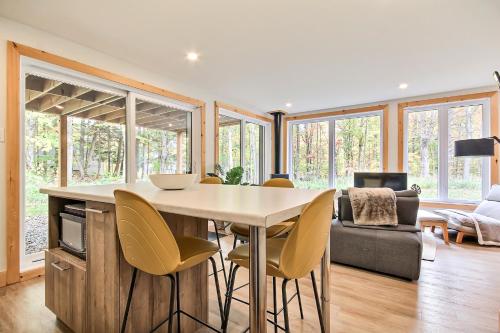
(194, 251)
(274, 231)
(394, 250)
(241, 256)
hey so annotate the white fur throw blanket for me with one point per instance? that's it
(373, 206)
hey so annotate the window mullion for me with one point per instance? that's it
(131, 165)
(443, 152)
(331, 153)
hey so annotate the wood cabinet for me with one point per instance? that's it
(90, 295)
(65, 288)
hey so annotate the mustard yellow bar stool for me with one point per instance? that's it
(242, 232)
(217, 181)
(293, 257)
(149, 246)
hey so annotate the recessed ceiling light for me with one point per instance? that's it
(60, 107)
(403, 86)
(169, 125)
(192, 56)
(288, 105)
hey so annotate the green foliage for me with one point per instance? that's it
(234, 176)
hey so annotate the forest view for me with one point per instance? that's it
(357, 148)
(230, 147)
(464, 174)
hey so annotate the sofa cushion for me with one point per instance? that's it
(384, 251)
(399, 227)
(489, 208)
(494, 194)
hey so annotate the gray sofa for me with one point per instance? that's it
(394, 250)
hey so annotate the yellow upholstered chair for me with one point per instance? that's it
(211, 180)
(241, 231)
(149, 245)
(292, 257)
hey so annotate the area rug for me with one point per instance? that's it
(429, 246)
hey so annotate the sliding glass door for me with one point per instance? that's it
(163, 139)
(241, 143)
(79, 131)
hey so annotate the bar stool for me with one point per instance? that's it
(291, 258)
(149, 246)
(217, 181)
(242, 232)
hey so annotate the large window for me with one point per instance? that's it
(163, 137)
(241, 143)
(81, 130)
(326, 152)
(430, 135)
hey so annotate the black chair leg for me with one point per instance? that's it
(220, 253)
(178, 294)
(129, 300)
(299, 299)
(318, 305)
(229, 297)
(217, 287)
(231, 265)
(172, 298)
(275, 306)
(285, 305)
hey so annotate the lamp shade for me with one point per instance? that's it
(497, 78)
(474, 147)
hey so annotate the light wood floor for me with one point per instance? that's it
(458, 292)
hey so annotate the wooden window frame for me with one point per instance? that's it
(12, 140)
(318, 115)
(493, 99)
(245, 113)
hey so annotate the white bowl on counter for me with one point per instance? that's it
(172, 181)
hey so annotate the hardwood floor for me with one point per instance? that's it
(458, 292)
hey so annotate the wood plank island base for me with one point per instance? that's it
(90, 295)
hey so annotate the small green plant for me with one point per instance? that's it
(232, 177)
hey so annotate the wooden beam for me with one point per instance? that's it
(74, 107)
(203, 140)
(50, 101)
(216, 135)
(335, 113)
(12, 146)
(46, 86)
(90, 70)
(241, 111)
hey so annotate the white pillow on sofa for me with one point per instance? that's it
(494, 193)
(489, 208)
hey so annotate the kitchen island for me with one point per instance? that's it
(90, 295)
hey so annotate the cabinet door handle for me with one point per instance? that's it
(97, 211)
(59, 268)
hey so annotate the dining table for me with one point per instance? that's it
(187, 212)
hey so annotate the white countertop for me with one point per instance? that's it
(252, 205)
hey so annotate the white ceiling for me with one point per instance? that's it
(264, 53)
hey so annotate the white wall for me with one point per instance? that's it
(393, 116)
(13, 31)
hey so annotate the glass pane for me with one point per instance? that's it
(357, 148)
(464, 173)
(253, 153)
(96, 142)
(310, 155)
(41, 164)
(163, 139)
(229, 142)
(423, 150)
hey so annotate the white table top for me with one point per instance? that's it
(251, 205)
